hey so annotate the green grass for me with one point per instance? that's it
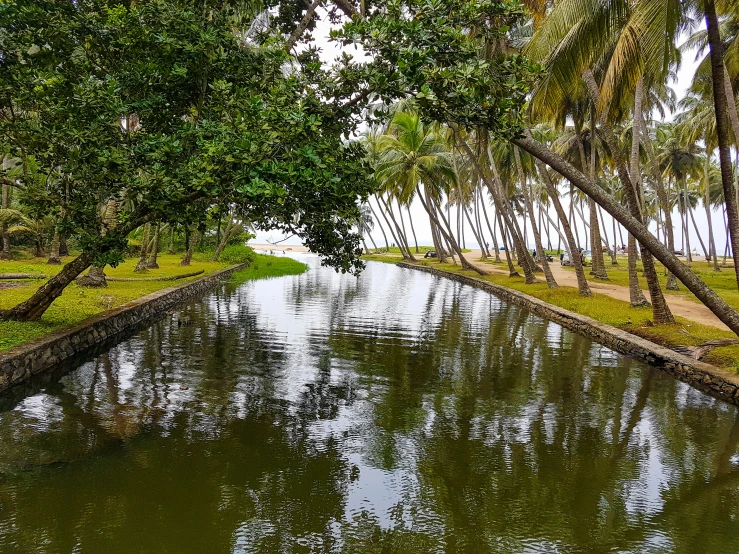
(723, 282)
(79, 303)
(608, 310)
(264, 267)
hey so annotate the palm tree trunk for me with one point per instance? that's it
(402, 242)
(551, 282)
(582, 283)
(706, 251)
(413, 230)
(191, 249)
(170, 249)
(383, 213)
(434, 211)
(686, 210)
(387, 245)
(5, 204)
(474, 231)
(695, 284)
(507, 217)
(491, 229)
(720, 101)
(660, 310)
(707, 205)
(141, 266)
(663, 200)
(54, 258)
(599, 264)
(154, 250)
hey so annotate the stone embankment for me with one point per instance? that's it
(19, 363)
(710, 379)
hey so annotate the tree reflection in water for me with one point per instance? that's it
(391, 413)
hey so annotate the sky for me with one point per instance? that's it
(330, 51)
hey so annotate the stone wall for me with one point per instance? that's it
(710, 379)
(19, 363)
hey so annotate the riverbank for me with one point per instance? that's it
(20, 363)
(605, 309)
(79, 303)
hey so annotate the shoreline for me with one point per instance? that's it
(703, 376)
(19, 363)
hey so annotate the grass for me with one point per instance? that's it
(723, 282)
(78, 303)
(265, 267)
(610, 311)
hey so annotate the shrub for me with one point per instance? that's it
(237, 254)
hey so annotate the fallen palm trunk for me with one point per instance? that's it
(169, 278)
(23, 276)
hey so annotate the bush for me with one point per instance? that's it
(237, 254)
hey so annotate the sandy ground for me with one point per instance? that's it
(680, 306)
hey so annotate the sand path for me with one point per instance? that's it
(680, 306)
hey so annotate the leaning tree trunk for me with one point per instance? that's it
(151, 263)
(141, 267)
(491, 229)
(191, 249)
(720, 101)
(636, 295)
(495, 186)
(660, 310)
(33, 308)
(582, 283)
(382, 229)
(718, 306)
(227, 234)
(474, 232)
(413, 230)
(390, 227)
(551, 282)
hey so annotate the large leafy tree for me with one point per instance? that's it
(163, 107)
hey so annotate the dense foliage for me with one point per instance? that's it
(164, 107)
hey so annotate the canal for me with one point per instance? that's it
(394, 412)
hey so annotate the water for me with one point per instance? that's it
(396, 412)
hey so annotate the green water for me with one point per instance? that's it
(396, 412)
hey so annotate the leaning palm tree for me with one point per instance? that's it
(414, 160)
(366, 224)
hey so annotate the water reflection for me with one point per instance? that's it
(391, 413)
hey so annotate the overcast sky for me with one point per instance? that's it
(420, 219)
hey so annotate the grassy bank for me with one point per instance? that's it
(723, 282)
(607, 310)
(78, 303)
(264, 267)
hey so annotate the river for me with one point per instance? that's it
(394, 412)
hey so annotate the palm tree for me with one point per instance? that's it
(366, 224)
(414, 161)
